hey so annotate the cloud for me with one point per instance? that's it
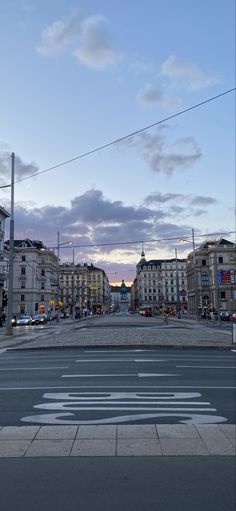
(88, 37)
(186, 75)
(157, 197)
(162, 157)
(152, 96)
(96, 50)
(57, 36)
(203, 201)
(22, 169)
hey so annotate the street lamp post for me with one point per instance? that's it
(58, 266)
(9, 330)
(177, 284)
(195, 282)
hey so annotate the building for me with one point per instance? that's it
(35, 277)
(3, 262)
(160, 283)
(84, 286)
(211, 276)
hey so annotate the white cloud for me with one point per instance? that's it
(163, 157)
(186, 75)
(153, 96)
(96, 49)
(88, 37)
(58, 35)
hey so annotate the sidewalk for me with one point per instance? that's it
(105, 332)
(117, 440)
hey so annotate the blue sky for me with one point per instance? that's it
(79, 74)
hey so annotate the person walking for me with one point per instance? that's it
(166, 317)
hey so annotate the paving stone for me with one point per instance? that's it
(14, 448)
(229, 430)
(56, 432)
(176, 431)
(211, 431)
(96, 432)
(45, 448)
(183, 447)
(94, 447)
(138, 447)
(136, 431)
(18, 432)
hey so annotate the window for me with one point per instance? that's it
(182, 282)
(145, 298)
(203, 262)
(172, 290)
(23, 270)
(43, 273)
(172, 298)
(23, 258)
(172, 282)
(222, 295)
(154, 282)
(42, 298)
(205, 279)
(220, 259)
(22, 298)
(145, 290)
(149, 290)
(42, 285)
(150, 299)
(22, 285)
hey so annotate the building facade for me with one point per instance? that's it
(35, 277)
(211, 277)
(160, 283)
(83, 286)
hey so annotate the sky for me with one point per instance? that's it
(79, 74)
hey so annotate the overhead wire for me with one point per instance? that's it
(121, 139)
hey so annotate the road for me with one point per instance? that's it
(114, 386)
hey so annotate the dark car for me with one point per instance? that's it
(225, 316)
(39, 319)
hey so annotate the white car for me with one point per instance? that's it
(24, 320)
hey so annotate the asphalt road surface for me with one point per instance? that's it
(115, 386)
(140, 484)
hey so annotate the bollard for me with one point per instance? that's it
(234, 333)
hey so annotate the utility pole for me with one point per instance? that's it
(195, 278)
(9, 329)
(73, 288)
(177, 284)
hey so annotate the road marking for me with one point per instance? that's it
(140, 375)
(212, 367)
(59, 418)
(33, 368)
(9, 389)
(62, 406)
(121, 395)
(98, 360)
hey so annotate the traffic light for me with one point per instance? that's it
(4, 299)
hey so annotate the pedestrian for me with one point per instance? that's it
(166, 317)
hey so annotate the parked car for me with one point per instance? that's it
(24, 320)
(39, 319)
(233, 317)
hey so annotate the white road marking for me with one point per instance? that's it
(120, 395)
(57, 418)
(9, 389)
(33, 368)
(140, 375)
(212, 367)
(98, 360)
(65, 406)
